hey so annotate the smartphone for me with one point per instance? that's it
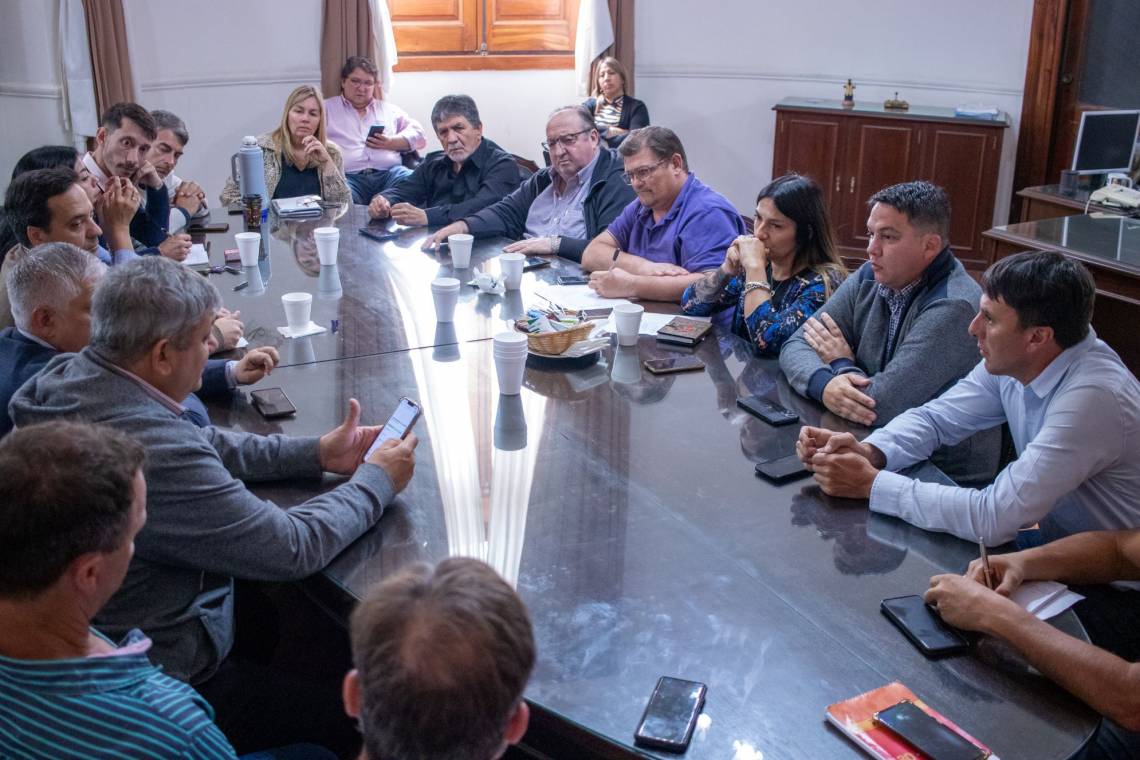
(534, 262)
(209, 227)
(676, 364)
(375, 129)
(272, 403)
(573, 279)
(379, 236)
(773, 414)
(783, 469)
(399, 424)
(600, 312)
(921, 731)
(671, 714)
(922, 625)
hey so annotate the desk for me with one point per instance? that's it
(1048, 202)
(623, 507)
(1110, 247)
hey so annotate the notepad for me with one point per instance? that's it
(197, 257)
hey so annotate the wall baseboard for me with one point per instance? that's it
(667, 72)
(299, 76)
(30, 90)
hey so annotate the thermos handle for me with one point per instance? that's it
(234, 169)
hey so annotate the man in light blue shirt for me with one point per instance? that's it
(1073, 409)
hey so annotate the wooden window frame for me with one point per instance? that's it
(485, 59)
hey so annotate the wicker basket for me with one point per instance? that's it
(555, 343)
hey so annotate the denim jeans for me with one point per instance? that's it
(366, 184)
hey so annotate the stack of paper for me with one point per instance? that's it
(1045, 599)
(197, 256)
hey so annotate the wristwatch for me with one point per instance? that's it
(756, 285)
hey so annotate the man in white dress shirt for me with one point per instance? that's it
(1072, 406)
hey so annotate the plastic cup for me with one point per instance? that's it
(249, 247)
(328, 241)
(460, 245)
(298, 307)
(445, 293)
(510, 361)
(511, 265)
(627, 319)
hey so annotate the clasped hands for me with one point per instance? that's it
(620, 281)
(403, 213)
(842, 465)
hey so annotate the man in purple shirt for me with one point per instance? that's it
(372, 160)
(676, 229)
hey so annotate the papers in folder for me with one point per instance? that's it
(1045, 599)
(298, 208)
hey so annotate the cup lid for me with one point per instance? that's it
(297, 296)
(324, 231)
(510, 338)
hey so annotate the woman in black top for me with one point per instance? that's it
(615, 113)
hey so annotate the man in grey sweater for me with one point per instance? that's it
(150, 335)
(895, 334)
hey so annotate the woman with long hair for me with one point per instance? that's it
(299, 159)
(778, 277)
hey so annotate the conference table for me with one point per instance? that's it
(624, 508)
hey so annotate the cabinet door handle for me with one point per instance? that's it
(837, 183)
(852, 189)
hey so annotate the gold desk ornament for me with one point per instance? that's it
(894, 104)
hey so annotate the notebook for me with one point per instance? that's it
(854, 717)
(683, 331)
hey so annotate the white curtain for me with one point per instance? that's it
(595, 34)
(80, 116)
(385, 42)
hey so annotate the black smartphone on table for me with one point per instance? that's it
(380, 236)
(921, 623)
(773, 414)
(782, 470)
(375, 129)
(675, 364)
(398, 426)
(573, 279)
(272, 403)
(534, 262)
(671, 714)
(208, 227)
(923, 732)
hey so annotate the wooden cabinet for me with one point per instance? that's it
(853, 153)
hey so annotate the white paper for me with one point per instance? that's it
(576, 297)
(1045, 599)
(241, 343)
(651, 323)
(312, 329)
(197, 256)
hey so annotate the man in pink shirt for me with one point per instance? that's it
(370, 133)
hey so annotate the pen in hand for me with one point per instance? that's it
(987, 572)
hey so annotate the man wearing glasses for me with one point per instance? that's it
(372, 160)
(677, 229)
(562, 207)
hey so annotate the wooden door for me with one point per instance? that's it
(880, 152)
(964, 161)
(436, 26)
(811, 144)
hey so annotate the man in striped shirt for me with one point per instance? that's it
(72, 498)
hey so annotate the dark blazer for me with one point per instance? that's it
(485, 177)
(607, 196)
(634, 115)
(20, 358)
(149, 224)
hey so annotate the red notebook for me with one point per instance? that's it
(854, 718)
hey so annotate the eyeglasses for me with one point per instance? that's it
(565, 140)
(641, 173)
(362, 82)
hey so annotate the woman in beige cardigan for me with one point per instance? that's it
(299, 159)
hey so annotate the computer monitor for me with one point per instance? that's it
(1106, 141)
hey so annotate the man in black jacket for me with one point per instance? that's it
(563, 207)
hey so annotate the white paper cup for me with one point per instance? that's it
(445, 293)
(460, 246)
(511, 265)
(328, 241)
(249, 247)
(627, 320)
(298, 307)
(510, 370)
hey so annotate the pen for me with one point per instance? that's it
(617, 252)
(241, 285)
(989, 573)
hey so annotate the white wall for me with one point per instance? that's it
(30, 103)
(714, 75)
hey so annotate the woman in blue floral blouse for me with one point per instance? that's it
(781, 276)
